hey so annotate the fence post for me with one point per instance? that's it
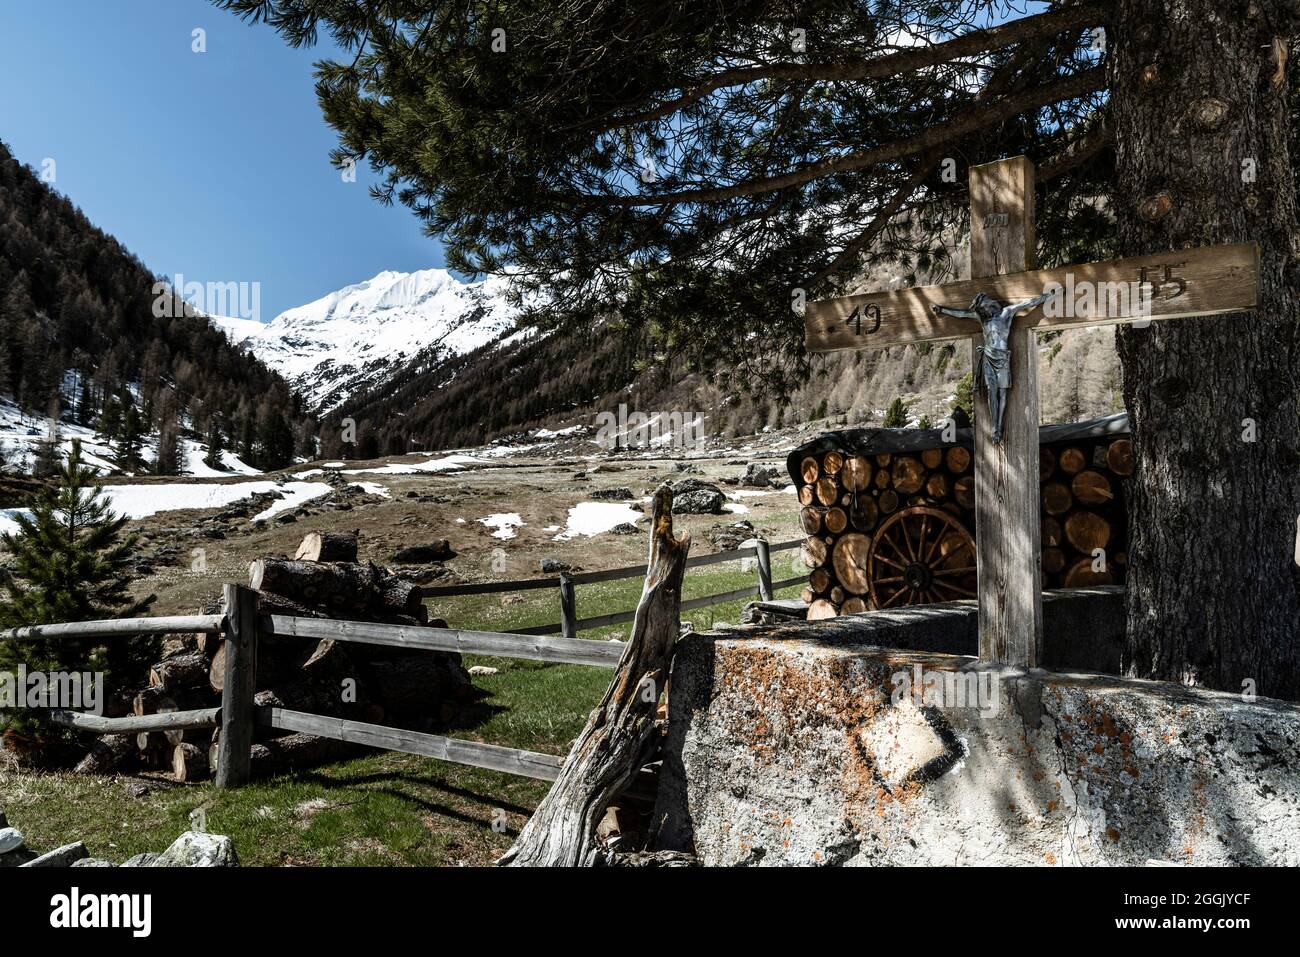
(240, 648)
(568, 607)
(764, 569)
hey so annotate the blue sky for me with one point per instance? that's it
(214, 165)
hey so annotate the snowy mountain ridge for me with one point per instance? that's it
(356, 337)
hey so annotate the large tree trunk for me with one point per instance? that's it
(619, 734)
(1200, 104)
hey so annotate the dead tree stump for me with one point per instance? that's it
(618, 737)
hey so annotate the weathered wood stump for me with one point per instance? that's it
(619, 734)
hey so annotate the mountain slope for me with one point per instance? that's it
(359, 337)
(81, 341)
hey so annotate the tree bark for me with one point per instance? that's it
(1203, 156)
(619, 735)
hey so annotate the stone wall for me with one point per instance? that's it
(803, 744)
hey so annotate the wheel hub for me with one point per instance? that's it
(918, 576)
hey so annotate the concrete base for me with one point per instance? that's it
(803, 744)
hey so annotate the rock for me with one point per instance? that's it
(421, 574)
(617, 494)
(756, 476)
(197, 849)
(10, 839)
(999, 765)
(693, 497)
(553, 565)
(141, 860)
(687, 467)
(625, 528)
(285, 518)
(63, 856)
(726, 538)
(92, 862)
(136, 789)
(436, 551)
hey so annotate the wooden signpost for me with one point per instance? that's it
(1172, 285)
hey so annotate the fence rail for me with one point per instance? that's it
(570, 624)
(206, 624)
(532, 764)
(575, 651)
(241, 627)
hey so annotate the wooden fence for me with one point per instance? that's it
(570, 624)
(241, 626)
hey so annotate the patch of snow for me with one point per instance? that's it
(7, 516)
(141, 501)
(450, 463)
(592, 518)
(504, 524)
(295, 493)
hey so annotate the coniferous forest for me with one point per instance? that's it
(80, 341)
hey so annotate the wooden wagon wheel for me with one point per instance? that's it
(920, 556)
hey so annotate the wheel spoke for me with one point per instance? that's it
(891, 579)
(907, 540)
(893, 598)
(938, 540)
(890, 561)
(953, 588)
(955, 571)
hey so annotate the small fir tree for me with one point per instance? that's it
(70, 561)
(896, 415)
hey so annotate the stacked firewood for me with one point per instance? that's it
(420, 690)
(848, 499)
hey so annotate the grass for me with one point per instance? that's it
(384, 808)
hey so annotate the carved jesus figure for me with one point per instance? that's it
(994, 353)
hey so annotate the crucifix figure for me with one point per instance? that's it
(994, 353)
(1165, 285)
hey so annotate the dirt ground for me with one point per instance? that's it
(426, 506)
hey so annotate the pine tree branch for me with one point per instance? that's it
(968, 44)
(1070, 87)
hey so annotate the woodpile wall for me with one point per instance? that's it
(873, 516)
(419, 690)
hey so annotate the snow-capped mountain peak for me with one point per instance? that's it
(356, 337)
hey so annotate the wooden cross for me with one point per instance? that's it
(1172, 285)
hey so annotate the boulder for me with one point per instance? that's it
(64, 856)
(10, 839)
(92, 862)
(141, 860)
(618, 494)
(756, 476)
(875, 756)
(625, 528)
(436, 551)
(726, 538)
(554, 565)
(694, 497)
(197, 849)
